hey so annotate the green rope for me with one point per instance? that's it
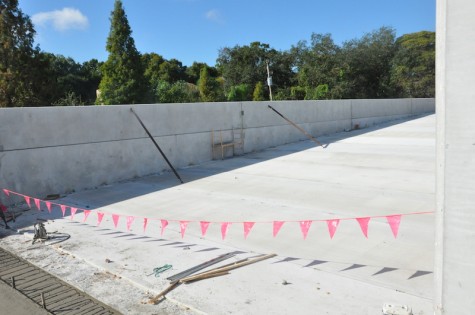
(157, 271)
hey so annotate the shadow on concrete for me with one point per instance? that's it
(128, 189)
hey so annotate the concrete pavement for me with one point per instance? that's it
(377, 171)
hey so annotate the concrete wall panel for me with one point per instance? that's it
(60, 149)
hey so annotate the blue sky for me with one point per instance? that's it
(195, 30)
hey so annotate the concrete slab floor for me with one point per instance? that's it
(384, 170)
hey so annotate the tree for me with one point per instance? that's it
(413, 65)
(178, 92)
(258, 94)
(123, 79)
(17, 57)
(209, 87)
(367, 64)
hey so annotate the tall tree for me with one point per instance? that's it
(17, 57)
(413, 65)
(123, 79)
(209, 87)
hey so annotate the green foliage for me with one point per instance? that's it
(178, 92)
(239, 93)
(413, 65)
(258, 94)
(297, 93)
(69, 99)
(123, 80)
(209, 87)
(321, 92)
(18, 66)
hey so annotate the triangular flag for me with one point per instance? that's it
(6, 192)
(73, 212)
(224, 229)
(115, 219)
(363, 222)
(247, 228)
(277, 225)
(332, 225)
(86, 214)
(130, 220)
(164, 225)
(48, 206)
(63, 209)
(183, 225)
(100, 215)
(37, 203)
(145, 221)
(305, 226)
(394, 221)
(28, 201)
(204, 227)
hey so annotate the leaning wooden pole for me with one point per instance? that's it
(156, 145)
(295, 125)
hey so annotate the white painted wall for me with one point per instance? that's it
(455, 94)
(60, 149)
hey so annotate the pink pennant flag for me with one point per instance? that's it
(277, 226)
(224, 229)
(145, 221)
(6, 192)
(48, 206)
(100, 216)
(130, 220)
(183, 225)
(63, 209)
(204, 227)
(394, 221)
(164, 225)
(37, 203)
(86, 214)
(73, 212)
(115, 219)
(28, 201)
(363, 222)
(247, 228)
(305, 226)
(332, 225)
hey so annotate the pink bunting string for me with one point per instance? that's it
(37, 203)
(247, 228)
(204, 227)
(63, 209)
(394, 221)
(183, 225)
(363, 222)
(130, 220)
(164, 225)
(73, 212)
(48, 206)
(145, 221)
(276, 227)
(224, 229)
(332, 225)
(86, 214)
(28, 201)
(115, 219)
(100, 216)
(305, 226)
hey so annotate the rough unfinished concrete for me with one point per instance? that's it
(378, 171)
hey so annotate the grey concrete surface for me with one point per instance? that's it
(64, 149)
(15, 303)
(378, 171)
(455, 265)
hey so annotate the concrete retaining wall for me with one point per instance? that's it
(61, 149)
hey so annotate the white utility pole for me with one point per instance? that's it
(269, 80)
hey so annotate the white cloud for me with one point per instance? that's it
(62, 20)
(214, 15)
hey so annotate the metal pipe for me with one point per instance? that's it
(293, 124)
(156, 145)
